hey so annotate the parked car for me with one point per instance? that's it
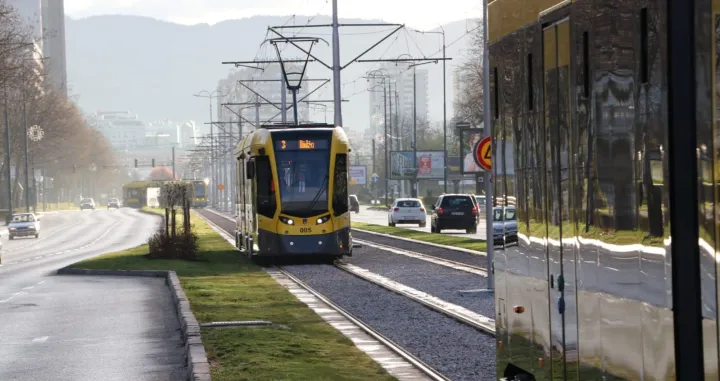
(24, 225)
(505, 227)
(87, 203)
(113, 203)
(407, 211)
(454, 211)
(481, 205)
(354, 204)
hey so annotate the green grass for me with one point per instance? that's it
(224, 286)
(442, 239)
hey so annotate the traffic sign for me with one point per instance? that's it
(221, 186)
(483, 152)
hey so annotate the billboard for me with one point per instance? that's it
(468, 139)
(402, 165)
(358, 174)
(429, 165)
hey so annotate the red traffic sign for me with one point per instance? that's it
(483, 153)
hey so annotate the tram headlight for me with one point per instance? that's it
(322, 220)
(286, 220)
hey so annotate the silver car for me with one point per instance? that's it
(24, 225)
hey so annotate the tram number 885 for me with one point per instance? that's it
(305, 230)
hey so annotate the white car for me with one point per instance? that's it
(24, 225)
(407, 211)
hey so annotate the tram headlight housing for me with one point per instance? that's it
(322, 220)
(286, 220)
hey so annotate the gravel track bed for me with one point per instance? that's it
(437, 280)
(456, 350)
(453, 255)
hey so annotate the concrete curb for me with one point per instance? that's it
(460, 249)
(198, 367)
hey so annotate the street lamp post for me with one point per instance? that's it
(445, 172)
(414, 185)
(213, 175)
(385, 77)
(7, 155)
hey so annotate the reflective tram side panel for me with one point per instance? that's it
(707, 31)
(593, 206)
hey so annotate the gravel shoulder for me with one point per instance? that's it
(454, 255)
(437, 280)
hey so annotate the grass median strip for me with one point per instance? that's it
(223, 286)
(441, 239)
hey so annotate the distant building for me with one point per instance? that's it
(187, 135)
(53, 25)
(124, 130)
(401, 96)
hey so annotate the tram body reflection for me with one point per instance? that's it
(580, 91)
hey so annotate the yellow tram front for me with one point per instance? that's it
(292, 192)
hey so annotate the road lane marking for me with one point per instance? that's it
(19, 293)
(41, 282)
(40, 339)
(28, 288)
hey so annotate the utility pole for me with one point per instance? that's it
(445, 148)
(445, 160)
(415, 180)
(337, 89)
(257, 111)
(7, 156)
(283, 98)
(173, 162)
(488, 176)
(27, 177)
(388, 139)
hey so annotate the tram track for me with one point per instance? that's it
(397, 349)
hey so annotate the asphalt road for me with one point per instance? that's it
(380, 217)
(84, 328)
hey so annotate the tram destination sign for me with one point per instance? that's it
(301, 144)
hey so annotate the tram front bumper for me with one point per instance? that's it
(335, 243)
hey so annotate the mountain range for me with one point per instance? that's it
(153, 68)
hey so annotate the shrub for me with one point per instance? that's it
(183, 245)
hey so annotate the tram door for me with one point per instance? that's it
(560, 252)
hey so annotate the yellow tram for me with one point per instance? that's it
(292, 194)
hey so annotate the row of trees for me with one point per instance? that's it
(79, 158)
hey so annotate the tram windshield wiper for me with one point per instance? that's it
(319, 193)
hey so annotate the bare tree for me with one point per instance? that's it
(469, 104)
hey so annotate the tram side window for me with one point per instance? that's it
(265, 189)
(340, 199)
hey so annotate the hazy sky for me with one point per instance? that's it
(416, 13)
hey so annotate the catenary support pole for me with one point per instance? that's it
(7, 155)
(415, 160)
(386, 139)
(488, 175)
(27, 176)
(337, 89)
(283, 97)
(445, 147)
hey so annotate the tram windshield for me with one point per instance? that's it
(199, 189)
(303, 181)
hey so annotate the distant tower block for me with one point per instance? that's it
(53, 22)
